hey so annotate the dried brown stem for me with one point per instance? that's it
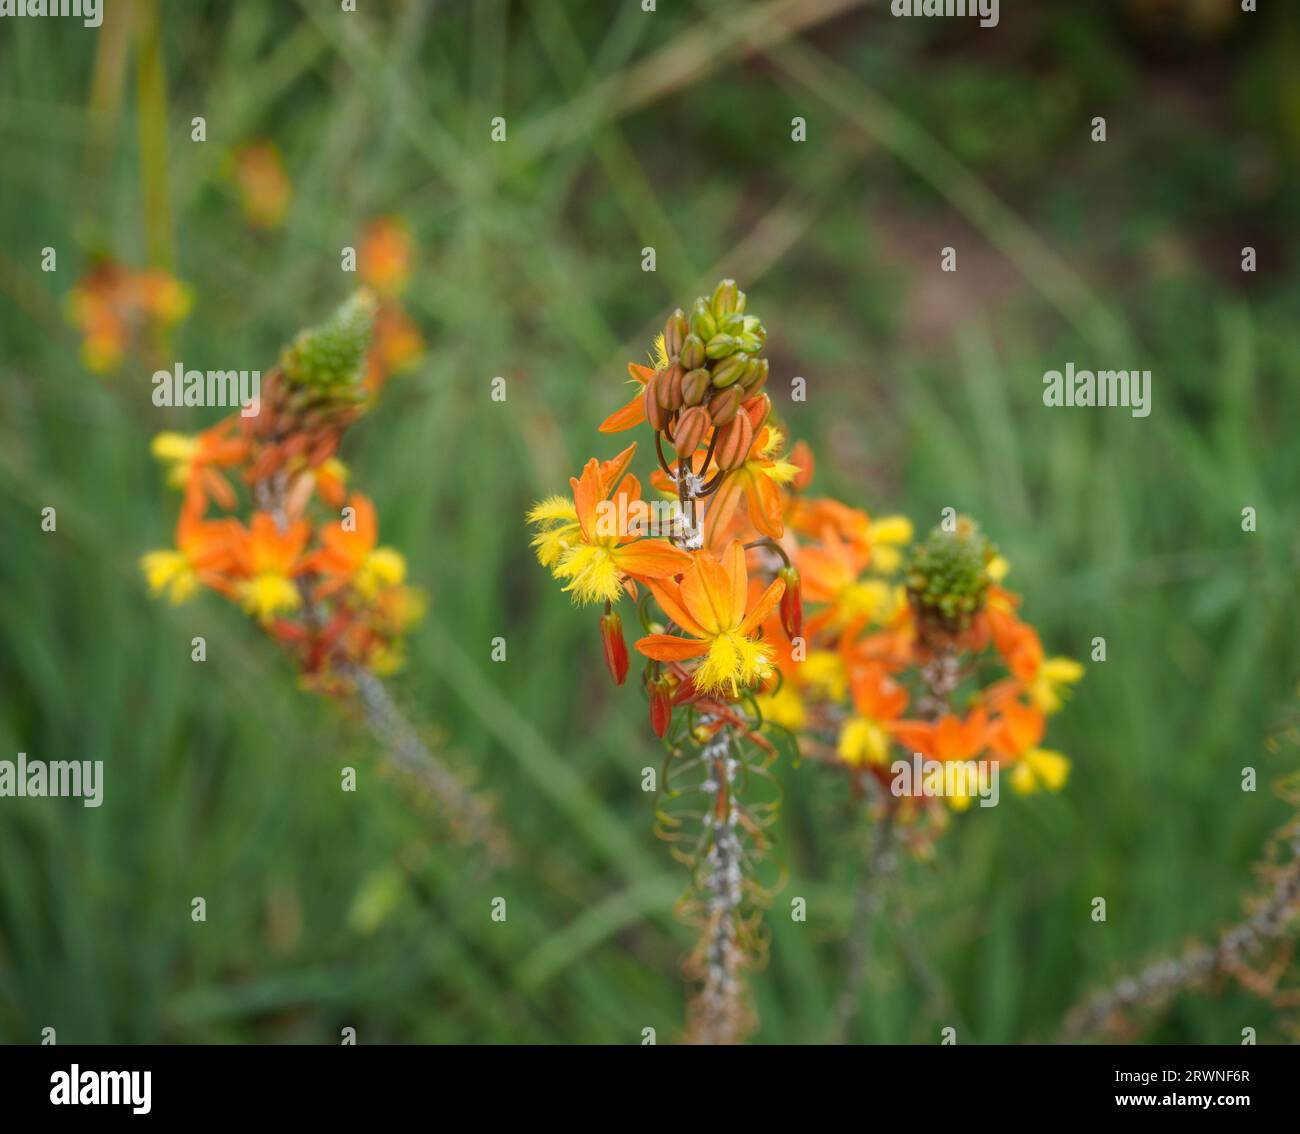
(1154, 985)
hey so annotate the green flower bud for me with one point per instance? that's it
(721, 346)
(755, 375)
(695, 384)
(730, 370)
(702, 321)
(675, 330)
(330, 359)
(724, 299)
(947, 575)
(692, 352)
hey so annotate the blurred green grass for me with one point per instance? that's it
(328, 910)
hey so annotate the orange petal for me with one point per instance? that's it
(706, 591)
(764, 496)
(733, 561)
(652, 559)
(615, 467)
(668, 647)
(586, 495)
(631, 415)
(669, 598)
(763, 607)
(722, 507)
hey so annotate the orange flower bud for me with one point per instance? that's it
(692, 424)
(734, 440)
(611, 637)
(661, 705)
(755, 375)
(695, 384)
(655, 414)
(675, 332)
(758, 409)
(723, 406)
(791, 602)
(669, 391)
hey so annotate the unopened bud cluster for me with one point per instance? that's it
(948, 574)
(710, 364)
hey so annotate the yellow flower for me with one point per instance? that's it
(268, 594)
(710, 605)
(1039, 767)
(822, 671)
(888, 536)
(1052, 677)
(964, 784)
(177, 451)
(784, 707)
(590, 541)
(383, 567)
(170, 571)
(862, 741)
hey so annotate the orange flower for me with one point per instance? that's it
(591, 542)
(264, 186)
(384, 255)
(1043, 678)
(350, 554)
(878, 701)
(949, 738)
(758, 480)
(709, 604)
(395, 345)
(267, 559)
(112, 305)
(832, 577)
(193, 459)
(204, 555)
(1017, 737)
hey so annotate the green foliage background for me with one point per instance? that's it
(628, 129)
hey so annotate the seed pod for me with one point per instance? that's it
(692, 352)
(723, 405)
(655, 414)
(692, 423)
(675, 330)
(702, 321)
(720, 346)
(755, 375)
(730, 370)
(695, 384)
(733, 444)
(724, 298)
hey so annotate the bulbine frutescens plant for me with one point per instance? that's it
(773, 619)
(267, 522)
